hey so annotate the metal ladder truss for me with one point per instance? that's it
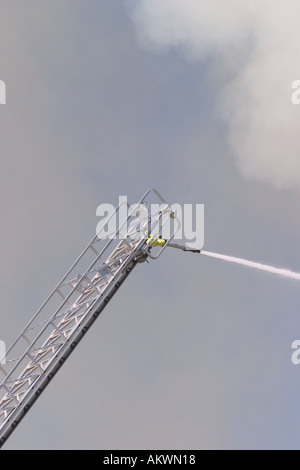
(75, 303)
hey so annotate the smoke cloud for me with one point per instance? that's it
(253, 48)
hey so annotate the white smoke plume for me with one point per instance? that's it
(254, 47)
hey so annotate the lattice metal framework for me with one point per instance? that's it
(75, 303)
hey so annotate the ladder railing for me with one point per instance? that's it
(68, 312)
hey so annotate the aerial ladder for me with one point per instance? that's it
(76, 302)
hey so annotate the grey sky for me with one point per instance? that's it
(192, 352)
